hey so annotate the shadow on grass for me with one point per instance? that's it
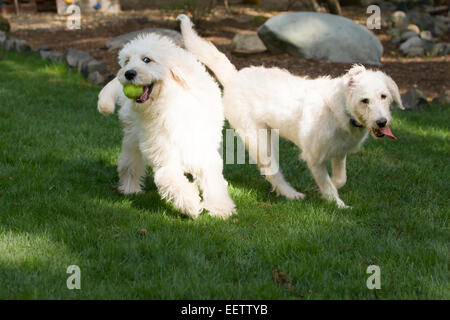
(60, 208)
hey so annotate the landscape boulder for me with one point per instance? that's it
(321, 36)
(22, 46)
(52, 56)
(73, 57)
(414, 99)
(245, 42)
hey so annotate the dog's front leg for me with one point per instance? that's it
(326, 186)
(108, 96)
(339, 173)
(173, 186)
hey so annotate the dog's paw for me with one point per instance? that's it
(342, 205)
(106, 107)
(222, 212)
(129, 189)
(290, 193)
(192, 208)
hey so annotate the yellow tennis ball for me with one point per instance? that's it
(132, 91)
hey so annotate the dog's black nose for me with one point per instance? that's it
(381, 122)
(130, 74)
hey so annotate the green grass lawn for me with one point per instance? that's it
(59, 207)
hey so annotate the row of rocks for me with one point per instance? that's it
(416, 99)
(75, 60)
(417, 32)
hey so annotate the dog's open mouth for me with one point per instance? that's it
(385, 131)
(146, 94)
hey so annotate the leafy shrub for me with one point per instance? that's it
(4, 25)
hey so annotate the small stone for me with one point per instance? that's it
(95, 65)
(9, 44)
(414, 42)
(82, 65)
(73, 56)
(414, 99)
(414, 28)
(96, 78)
(440, 49)
(22, 46)
(408, 34)
(53, 56)
(399, 19)
(442, 26)
(3, 36)
(443, 99)
(244, 42)
(143, 232)
(426, 35)
(415, 51)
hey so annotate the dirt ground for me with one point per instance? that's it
(430, 74)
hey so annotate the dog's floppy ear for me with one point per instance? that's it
(177, 75)
(353, 72)
(393, 90)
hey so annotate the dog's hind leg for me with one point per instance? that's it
(326, 186)
(258, 148)
(131, 166)
(216, 198)
(339, 173)
(173, 186)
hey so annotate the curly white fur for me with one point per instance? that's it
(178, 130)
(314, 114)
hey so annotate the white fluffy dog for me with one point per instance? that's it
(176, 125)
(327, 118)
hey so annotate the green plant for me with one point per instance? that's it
(4, 25)
(197, 9)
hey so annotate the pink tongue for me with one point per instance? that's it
(387, 132)
(144, 95)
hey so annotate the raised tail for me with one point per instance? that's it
(206, 52)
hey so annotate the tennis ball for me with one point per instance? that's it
(132, 91)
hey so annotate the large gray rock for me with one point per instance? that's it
(92, 66)
(52, 56)
(413, 42)
(9, 44)
(245, 42)
(73, 57)
(408, 34)
(321, 36)
(96, 78)
(440, 49)
(414, 99)
(3, 36)
(120, 41)
(22, 46)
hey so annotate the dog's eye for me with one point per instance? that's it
(383, 96)
(126, 61)
(366, 101)
(146, 60)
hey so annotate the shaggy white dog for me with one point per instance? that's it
(327, 118)
(176, 125)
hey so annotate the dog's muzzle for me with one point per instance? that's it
(384, 131)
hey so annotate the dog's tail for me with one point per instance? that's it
(206, 52)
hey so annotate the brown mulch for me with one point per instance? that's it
(430, 74)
